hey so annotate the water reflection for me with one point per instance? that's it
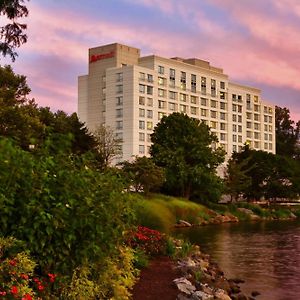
(265, 254)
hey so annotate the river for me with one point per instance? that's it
(264, 254)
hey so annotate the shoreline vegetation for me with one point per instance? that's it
(198, 277)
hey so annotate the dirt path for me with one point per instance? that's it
(156, 281)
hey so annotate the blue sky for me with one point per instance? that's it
(255, 42)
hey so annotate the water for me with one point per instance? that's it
(265, 254)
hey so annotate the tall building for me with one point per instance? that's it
(130, 94)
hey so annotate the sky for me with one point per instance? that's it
(256, 42)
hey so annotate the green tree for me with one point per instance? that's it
(287, 133)
(143, 174)
(12, 35)
(182, 145)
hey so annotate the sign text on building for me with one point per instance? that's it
(102, 56)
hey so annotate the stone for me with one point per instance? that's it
(182, 297)
(184, 223)
(245, 211)
(199, 295)
(184, 286)
(221, 295)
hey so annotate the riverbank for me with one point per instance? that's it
(193, 277)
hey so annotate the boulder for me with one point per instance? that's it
(184, 223)
(221, 295)
(199, 295)
(184, 286)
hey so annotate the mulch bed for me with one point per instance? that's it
(156, 281)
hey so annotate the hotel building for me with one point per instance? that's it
(130, 94)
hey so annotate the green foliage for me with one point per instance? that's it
(141, 259)
(181, 145)
(281, 213)
(287, 133)
(12, 35)
(83, 213)
(113, 279)
(143, 174)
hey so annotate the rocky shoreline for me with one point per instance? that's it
(201, 279)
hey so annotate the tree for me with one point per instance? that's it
(143, 174)
(107, 145)
(182, 145)
(287, 133)
(12, 35)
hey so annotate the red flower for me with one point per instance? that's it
(3, 293)
(51, 277)
(14, 290)
(13, 262)
(27, 297)
(40, 287)
(24, 276)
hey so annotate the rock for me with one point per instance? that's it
(245, 210)
(221, 295)
(236, 280)
(255, 293)
(206, 289)
(184, 223)
(199, 295)
(293, 216)
(182, 297)
(184, 286)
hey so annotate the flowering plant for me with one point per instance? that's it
(149, 240)
(17, 280)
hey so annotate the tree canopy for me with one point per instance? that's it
(182, 145)
(12, 35)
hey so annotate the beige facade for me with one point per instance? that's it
(131, 94)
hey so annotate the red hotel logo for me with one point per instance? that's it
(102, 56)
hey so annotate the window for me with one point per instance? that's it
(203, 101)
(213, 124)
(183, 97)
(183, 108)
(149, 90)
(119, 100)
(141, 137)
(233, 97)
(249, 116)
(119, 89)
(148, 137)
(194, 99)
(172, 106)
(256, 145)
(222, 136)
(222, 85)
(193, 83)
(239, 98)
(141, 149)
(141, 112)
(222, 126)
(150, 78)
(222, 105)
(161, 115)
(270, 146)
(172, 74)
(270, 119)
(240, 119)
(203, 85)
(256, 117)
(248, 100)
(234, 118)
(142, 76)
(161, 104)
(161, 70)
(193, 110)
(233, 107)
(172, 95)
(240, 139)
(119, 77)
(119, 112)
(213, 103)
(213, 113)
(119, 136)
(149, 125)
(222, 95)
(249, 125)
(270, 137)
(222, 116)
(149, 101)
(203, 112)
(142, 88)
(239, 128)
(119, 125)
(213, 88)
(256, 126)
(234, 148)
(239, 108)
(266, 136)
(256, 107)
(141, 124)
(234, 139)
(255, 99)
(249, 134)
(256, 135)
(161, 81)
(141, 100)
(149, 114)
(234, 128)
(161, 93)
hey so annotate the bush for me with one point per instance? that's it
(83, 212)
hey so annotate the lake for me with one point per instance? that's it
(264, 254)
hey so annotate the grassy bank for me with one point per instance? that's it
(161, 212)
